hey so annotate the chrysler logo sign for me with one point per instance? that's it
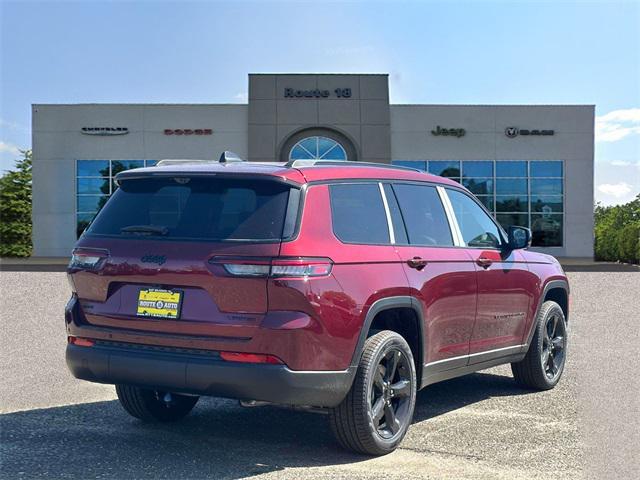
(105, 130)
(513, 132)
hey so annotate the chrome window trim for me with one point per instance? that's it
(387, 211)
(451, 217)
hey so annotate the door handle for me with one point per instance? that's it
(417, 263)
(484, 262)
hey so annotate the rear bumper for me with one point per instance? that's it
(207, 375)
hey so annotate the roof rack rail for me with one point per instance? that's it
(181, 161)
(343, 163)
(226, 157)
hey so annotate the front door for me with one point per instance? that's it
(502, 277)
(440, 276)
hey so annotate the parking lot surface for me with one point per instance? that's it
(479, 426)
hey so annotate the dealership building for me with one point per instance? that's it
(530, 165)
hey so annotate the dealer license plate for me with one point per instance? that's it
(158, 303)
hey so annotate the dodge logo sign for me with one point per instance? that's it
(513, 132)
(188, 131)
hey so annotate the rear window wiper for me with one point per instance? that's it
(145, 229)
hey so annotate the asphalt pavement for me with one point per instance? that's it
(479, 426)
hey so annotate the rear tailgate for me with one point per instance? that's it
(170, 234)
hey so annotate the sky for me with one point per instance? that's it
(500, 52)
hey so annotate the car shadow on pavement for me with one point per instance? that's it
(218, 440)
(444, 397)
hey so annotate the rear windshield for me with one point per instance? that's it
(195, 208)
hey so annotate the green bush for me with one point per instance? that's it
(617, 232)
(15, 209)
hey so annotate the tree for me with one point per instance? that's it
(617, 232)
(15, 209)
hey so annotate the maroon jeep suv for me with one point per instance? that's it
(340, 287)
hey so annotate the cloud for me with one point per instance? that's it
(9, 148)
(616, 125)
(242, 96)
(617, 190)
(624, 163)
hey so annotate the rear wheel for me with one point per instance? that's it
(543, 366)
(374, 417)
(154, 405)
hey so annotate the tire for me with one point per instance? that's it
(154, 405)
(549, 342)
(354, 422)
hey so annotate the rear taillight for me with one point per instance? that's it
(281, 267)
(87, 259)
(250, 358)
(80, 342)
(301, 267)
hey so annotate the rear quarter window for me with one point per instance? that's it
(358, 213)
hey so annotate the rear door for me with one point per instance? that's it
(203, 243)
(503, 278)
(440, 275)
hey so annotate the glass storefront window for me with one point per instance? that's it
(511, 185)
(95, 183)
(447, 169)
(546, 186)
(511, 168)
(477, 169)
(92, 186)
(419, 164)
(512, 203)
(546, 204)
(478, 186)
(546, 229)
(92, 168)
(517, 192)
(546, 169)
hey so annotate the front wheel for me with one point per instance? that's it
(376, 413)
(154, 405)
(544, 363)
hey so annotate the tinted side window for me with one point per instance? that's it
(424, 215)
(396, 216)
(358, 213)
(476, 226)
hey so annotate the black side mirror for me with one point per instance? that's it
(519, 237)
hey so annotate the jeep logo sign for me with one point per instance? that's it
(451, 132)
(513, 132)
(159, 259)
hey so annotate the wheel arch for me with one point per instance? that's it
(553, 290)
(388, 305)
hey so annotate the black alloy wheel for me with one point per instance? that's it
(390, 393)
(553, 346)
(377, 412)
(542, 366)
